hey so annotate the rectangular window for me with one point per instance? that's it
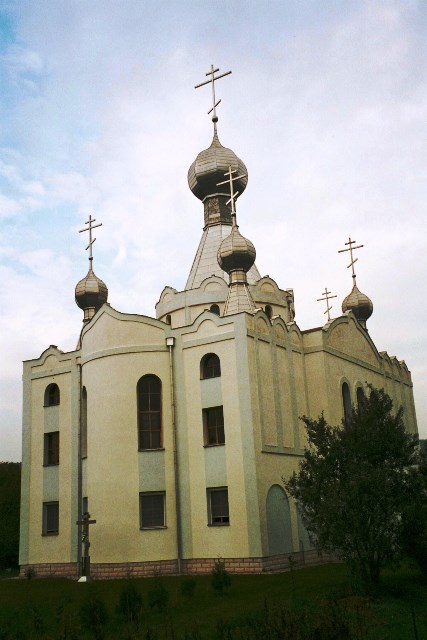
(152, 510)
(213, 426)
(50, 518)
(218, 506)
(51, 448)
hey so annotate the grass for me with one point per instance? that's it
(51, 608)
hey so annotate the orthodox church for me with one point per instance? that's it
(174, 431)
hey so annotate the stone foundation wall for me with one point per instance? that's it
(55, 570)
(108, 571)
(194, 566)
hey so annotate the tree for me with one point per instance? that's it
(354, 484)
(10, 490)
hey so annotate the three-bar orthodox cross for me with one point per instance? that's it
(89, 228)
(212, 81)
(233, 194)
(85, 522)
(327, 296)
(350, 244)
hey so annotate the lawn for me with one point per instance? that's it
(304, 604)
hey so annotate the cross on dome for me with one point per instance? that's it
(212, 81)
(233, 194)
(90, 228)
(327, 296)
(353, 261)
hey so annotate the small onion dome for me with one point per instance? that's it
(359, 304)
(236, 252)
(91, 292)
(209, 168)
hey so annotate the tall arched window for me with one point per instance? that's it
(346, 401)
(84, 424)
(210, 366)
(51, 395)
(360, 396)
(268, 311)
(149, 393)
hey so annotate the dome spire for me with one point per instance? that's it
(91, 292)
(356, 301)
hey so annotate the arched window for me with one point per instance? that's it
(214, 309)
(51, 395)
(84, 424)
(346, 401)
(149, 393)
(168, 319)
(268, 311)
(210, 366)
(360, 396)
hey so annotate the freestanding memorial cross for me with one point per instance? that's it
(85, 560)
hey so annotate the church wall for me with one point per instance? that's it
(116, 471)
(205, 467)
(58, 483)
(278, 393)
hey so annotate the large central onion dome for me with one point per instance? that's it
(91, 294)
(209, 168)
(359, 304)
(236, 253)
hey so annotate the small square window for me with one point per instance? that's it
(51, 448)
(50, 518)
(213, 426)
(152, 510)
(218, 513)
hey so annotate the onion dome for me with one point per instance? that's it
(91, 294)
(359, 304)
(209, 168)
(236, 253)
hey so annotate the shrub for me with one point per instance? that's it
(188, 587)
(130, 604)
(158, 597)
(93, 616)
(220, 578)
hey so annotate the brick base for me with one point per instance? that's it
(56, 570)
(194, 566)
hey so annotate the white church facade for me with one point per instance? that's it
(174, 431)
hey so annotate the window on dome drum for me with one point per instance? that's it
(214, 309)
(218, 513)
(268, 311)
(149, 394)
(152, 510)
(50, 518)
(168, 319)
(213, 426)
(51, 448)
(346, 401)
(51, 395)
(210, 366)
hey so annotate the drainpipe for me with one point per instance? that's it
(170, 342)
(79, 478)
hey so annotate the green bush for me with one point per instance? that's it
(130, 604)
(158, 597)
(188, 587)
(94, 616)
(220, 578)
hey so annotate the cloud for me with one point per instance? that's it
(326, 106)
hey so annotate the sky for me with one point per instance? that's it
(326, 105)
